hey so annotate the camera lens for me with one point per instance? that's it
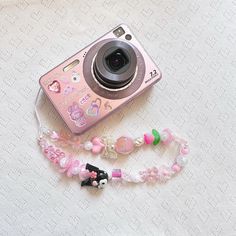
(115, 64)
(116, 60)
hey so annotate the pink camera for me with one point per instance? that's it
(97, 80)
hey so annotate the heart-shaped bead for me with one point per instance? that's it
(55, 87)
(98, 145)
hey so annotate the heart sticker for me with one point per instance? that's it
(55, 87)
(94, 107)
(107, 106)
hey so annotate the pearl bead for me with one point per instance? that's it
(63, 162)
(75, 170)
(164, 136)
(181, 161)
(88, 145)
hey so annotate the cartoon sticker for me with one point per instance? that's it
(94, 107)
(107, 106)
(68, 90)
(77, 114)
(55, 86)
(84, 99)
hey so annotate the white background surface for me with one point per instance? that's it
(194, 44)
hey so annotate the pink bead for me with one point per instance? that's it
(93, 175)
(165, 172)
(166, 136)
(124, 145)
(148, 138)
(73, 168)
(98, 145)
(176, 168)
(54, 135)
(84, 173)
(184, 149)
(116, 173)
(64, 162)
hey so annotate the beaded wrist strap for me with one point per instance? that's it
(93, 176)
(90, 175)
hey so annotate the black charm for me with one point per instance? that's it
(98, 179)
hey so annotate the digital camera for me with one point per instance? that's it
(100, 78)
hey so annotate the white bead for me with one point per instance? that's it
(63, 162)
(164, 136)
(75, 170)
(88, 145)
(181, 160)
(139, 142)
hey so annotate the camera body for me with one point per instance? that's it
(100, 78)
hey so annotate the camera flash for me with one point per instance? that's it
(118, 32)
(71, 65)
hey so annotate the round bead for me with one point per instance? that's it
(75, 170)
(124, 145)
(176, 168)
(88, 145)
(157, 137)
(148, 138)
(166, 136)
(181, 161)
(95, 183)
(63, 162)
(184, 149)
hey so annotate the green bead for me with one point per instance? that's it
(157, 137)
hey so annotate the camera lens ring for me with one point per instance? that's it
(123, 75)
(116, 60)
(114, 94)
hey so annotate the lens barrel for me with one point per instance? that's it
(115, 64)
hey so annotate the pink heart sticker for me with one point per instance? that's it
(55, 87)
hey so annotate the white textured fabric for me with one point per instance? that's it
(194, 44)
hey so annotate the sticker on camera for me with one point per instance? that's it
(94, 107)
(54, 87)
(68, 90)
(107, 106)
(77, 114)
(84, 99)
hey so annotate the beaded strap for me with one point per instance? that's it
(93, 176)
